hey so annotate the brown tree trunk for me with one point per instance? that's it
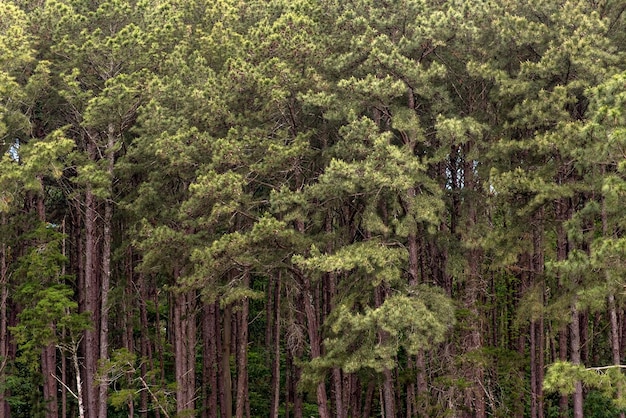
(576, 358)
(615, 332)
(315, 342)
(562, 214)
(184, 334)
(537, 326)
(48, 368)
(106, 271)
(210, 334)
(4, 324)
(388, 390)
(313, 328)
(48, 353)
(145, 346)
(369, 399)
(242, 352)
(226, 395)
(475, 395)
(276, 349)
(91, 291)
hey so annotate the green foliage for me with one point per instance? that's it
(609, 382)
(50, 312)
(372, 338)
(123, 372)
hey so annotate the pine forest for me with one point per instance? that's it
(312, 208)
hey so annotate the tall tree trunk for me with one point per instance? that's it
(48, 354)
(369, 399)
(184, 334)
(562, 214)
(276, 349)
(536, 326)
(226, 395)
(388, 391)
(145, 346)
(242, 351)
(475, 395)
(615, 332)
(4, 324)
(106, 272)
(338, 391)
(313, 328)
(80, 395)
(90, 285)
(315, 342)
(210, 332)
(576, 358)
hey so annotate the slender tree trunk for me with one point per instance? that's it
(314, 340)
(48, 354)
(242, 352)
(388, 391)
(48, 367)
(475, 396)
(79, 384)
(4, 323)
(296, 395)
(226, 380)
(338, 390)
(184, 334)
(536, 326)
(106, 271)
(145, 347)
(562, 211)
(210, 360)
(615, 332)
(355, 397)
(276, 349)
(415, 392)
(314, 332)
(91, 352)
(576, 358)
(369, 399)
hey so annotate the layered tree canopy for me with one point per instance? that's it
(312, 208)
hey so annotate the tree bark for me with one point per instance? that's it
(106, 271)
(315, 341)
(276, 349)
(4, 324)
(210, 334)
(91, 352)
(537, 326)
(576, 358)
(184, 334)
(242, 352)
(226, 395)
(145, 346)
